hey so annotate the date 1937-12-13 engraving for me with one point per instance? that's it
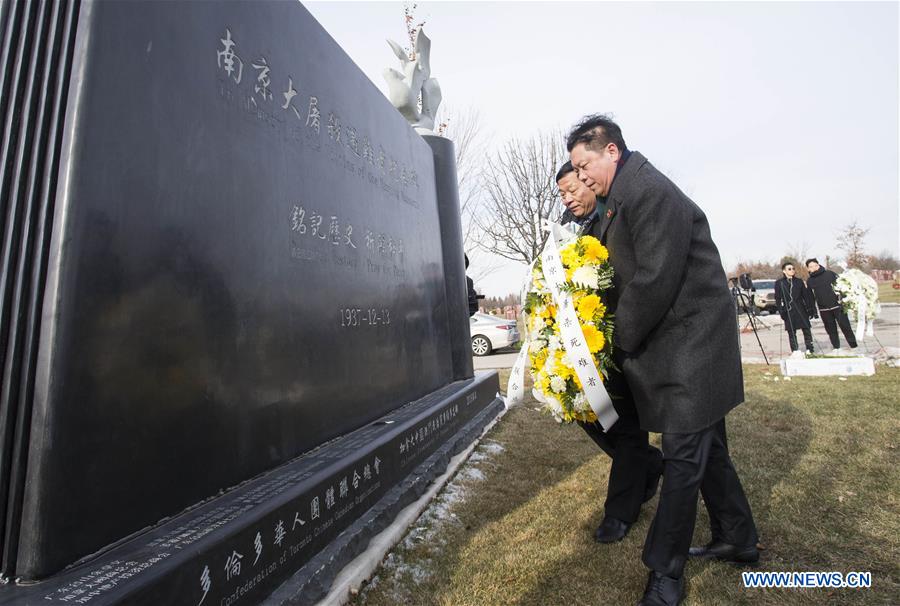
(354, 316)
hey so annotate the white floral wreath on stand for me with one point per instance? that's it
(859, 295)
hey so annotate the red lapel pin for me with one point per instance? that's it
(608, 213)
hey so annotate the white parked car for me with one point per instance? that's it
(764, 296)
(490, 333)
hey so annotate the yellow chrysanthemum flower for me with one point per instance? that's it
(570, 257)
(543, 382)
(593, 337)
(560, 368)
(593, 250)
(587, 306)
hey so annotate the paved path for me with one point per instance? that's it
(501, 358)
(774, 339)
(885, 343)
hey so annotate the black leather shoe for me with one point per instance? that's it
(611, 530)
(717, 550)
(662, 590)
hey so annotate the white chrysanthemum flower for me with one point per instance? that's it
(558, 384)
(580, 403)
(586, 277)
(554, 343)
(537, 345)
(548, 365)
(555, 408)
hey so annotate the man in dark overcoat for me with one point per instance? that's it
(796, 305)
(636, 465)
(677, 340)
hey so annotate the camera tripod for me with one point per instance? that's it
(745, 300)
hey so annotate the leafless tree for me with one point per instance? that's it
(465, 128)
(519, 191)
(850, 241)
(412, 28)
(797, 254)
(884, 260)
(758, 270)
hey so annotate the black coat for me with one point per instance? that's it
(673, 312)
(821, 285)
(473, 296)
(794, 302)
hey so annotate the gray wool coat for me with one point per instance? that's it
(674, 317)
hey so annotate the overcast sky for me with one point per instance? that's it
(779, 119)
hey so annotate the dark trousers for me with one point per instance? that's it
(696, 462)
(832, 318)
(792, 338)
(636, 464)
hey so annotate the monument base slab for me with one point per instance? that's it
(824, 367)
(303, 521)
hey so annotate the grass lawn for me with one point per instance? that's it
(887, 293)
(818, 458)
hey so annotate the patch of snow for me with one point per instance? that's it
(471, 473)
(430, 527)
(492, 447)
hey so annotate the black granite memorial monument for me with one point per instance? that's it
(234, 333)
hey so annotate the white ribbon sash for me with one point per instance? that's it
(862, 308)
(571, 335)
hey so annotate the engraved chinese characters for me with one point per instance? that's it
(247, 264)
(390, 174)
(248, 307)
(289, 537)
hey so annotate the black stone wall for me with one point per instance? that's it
(222, 249)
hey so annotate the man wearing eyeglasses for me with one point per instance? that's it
(677, 340)
(796, 306)
(636, 465)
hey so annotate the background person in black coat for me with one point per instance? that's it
(821, 285)
(636, 465)
(796, 306)
(677, 330)
(470, 291)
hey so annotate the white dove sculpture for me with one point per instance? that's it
(404, 88)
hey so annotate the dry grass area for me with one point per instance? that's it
(818, 458)
(887, 293)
